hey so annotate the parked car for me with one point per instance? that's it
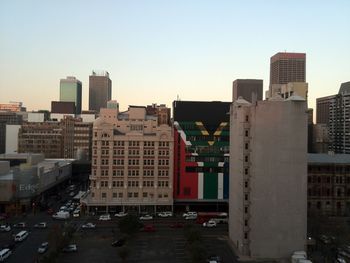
(41, 225)
(149, 228)
(190, 214)
(191, 217)
(119, 242)
(76, 213)
(165, 214)
(210, 223)
(43, 247)
(70, 248)
(105, 217)
(20, 225)
(5, 228)
(146, 217)
(177, 225)
(214, 259)
(121, 214)
(88, 226)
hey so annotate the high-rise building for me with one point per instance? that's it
(70, 91)
(248, 89)
(335, 111)
(201, 154)
(132, 162)
(287, 67)
(268, 172)
(100, 90)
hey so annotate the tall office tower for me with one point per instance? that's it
(70, 91)
(248, 89)
(100, 90)
(287, 67)
(335, 111)
(268, 177)
(132, 162)
(201, 153)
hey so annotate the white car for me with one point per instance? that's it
(105, 217)
(210, 223)
(190, 214)
(146, 217)
(41, 225)
(70, 248)
(5, 228)
(76, 213)
(191, 217)
(43, 248)
(88, 226)
(165, 214)
(121, 214)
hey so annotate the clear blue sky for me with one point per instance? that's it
(156, 50)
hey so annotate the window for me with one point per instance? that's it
(104, 195)
(120, 195)
(245, 235)
(246, 158)
(129, 194)
(246, 146)
(136, 194)
(246, 222)
(246, 209)
(145, 194)
(246, 133)
(114, 195)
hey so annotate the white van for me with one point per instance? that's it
(4, 254)
(21, 236)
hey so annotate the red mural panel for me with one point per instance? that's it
(185, 184)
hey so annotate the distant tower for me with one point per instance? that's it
(248, 89)
(287, 67)
(100, 90)
(70, 91)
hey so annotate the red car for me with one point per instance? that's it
(177, 225)
(149, 228)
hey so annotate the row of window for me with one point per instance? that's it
(133, 195)
(104, 184)
(161, 173)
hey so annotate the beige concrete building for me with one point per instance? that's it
(132, 162)
(268, 171)
(289, 89)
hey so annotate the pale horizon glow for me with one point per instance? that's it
(157, 50)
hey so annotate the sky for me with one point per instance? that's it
(157, 51)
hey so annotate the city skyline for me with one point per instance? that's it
(157, 51)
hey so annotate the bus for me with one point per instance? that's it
(218, 217)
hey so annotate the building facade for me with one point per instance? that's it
(334, 111)
(100, 90)
(249, 89)
(132, 162)
(268, 171)
(329, 184)
(26, 181)
(287, 67)
(68, 138)
(12, 106)
(201, 154)
(70, 91)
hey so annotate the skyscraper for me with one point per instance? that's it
(100, 90)
(248, 89)
(70, 91)
(334, 111)
(287, 67)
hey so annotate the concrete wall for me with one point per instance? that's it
(36, 117)
(277, 203)
(12, 138)
(279, 179)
